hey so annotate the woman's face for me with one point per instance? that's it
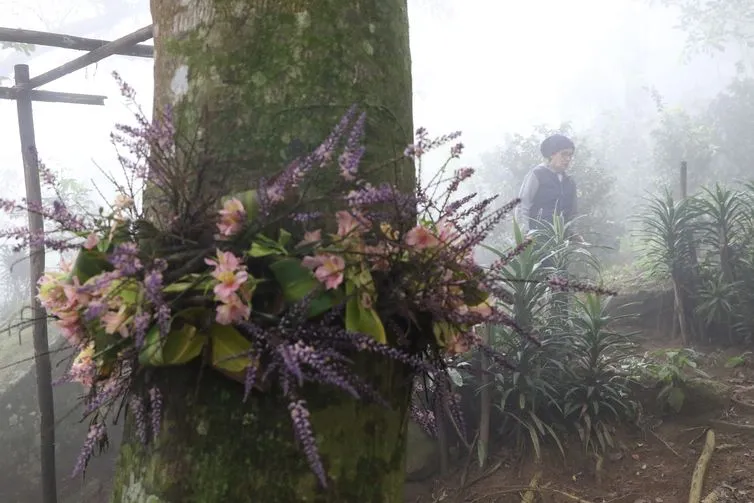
(561, 160)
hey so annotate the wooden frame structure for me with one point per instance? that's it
(24, 93)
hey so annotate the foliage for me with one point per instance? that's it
(713, 24)
(671, 368)
(262, 285)
(704, 244)
(597, 395)
(712, 138)
(681, 135)
(666, 223)
(570, 381)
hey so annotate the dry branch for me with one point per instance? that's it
(697, 479)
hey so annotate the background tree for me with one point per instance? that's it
(713, 26)
(263, 81)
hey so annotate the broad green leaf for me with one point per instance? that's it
(284, 238)
(188, 283)
(126, 288)
(295, 280)
(259, 250)
(675, 398)
(182, 345)
(263, 246)
(361, 319)
(151, 351)
(90, 263)
(229, 348)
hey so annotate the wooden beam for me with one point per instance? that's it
(37, 267)
(12, 93)
(69, 42)
(90, 58)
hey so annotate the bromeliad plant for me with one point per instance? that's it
(269, 288)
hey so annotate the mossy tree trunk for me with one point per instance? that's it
(262, 81)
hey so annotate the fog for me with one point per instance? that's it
(629, 80)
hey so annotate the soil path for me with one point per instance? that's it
(650, 466)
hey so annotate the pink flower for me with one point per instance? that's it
(459, 344)
(71, 327)
(378, 256)
(115, 321)
(229, 272)
(84, 368)
(328, 268)
(91, 241)
(224, 261)
(421, 238)
(447, 233)
(311, 237)
(350, 223)
(232, 310)
(232, 216)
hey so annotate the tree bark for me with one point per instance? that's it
(263, 81)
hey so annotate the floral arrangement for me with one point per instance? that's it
(279, 289)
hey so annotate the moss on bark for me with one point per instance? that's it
(212, 448)
(262, 81)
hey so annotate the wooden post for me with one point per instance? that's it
(69, 42)
(485, 397)
(39, 316)
(89, 58)
(684, 180)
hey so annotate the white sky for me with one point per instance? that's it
(485, 67)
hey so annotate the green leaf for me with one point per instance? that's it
(127, 289)
(90, 263)
(259, 250)
(675, 398)
(229, 348)
(182, 345)
(284, 238)
(151, 351)
(362, 320)
(250, 202)
(295, 280)
(263, 246)
(183, 286)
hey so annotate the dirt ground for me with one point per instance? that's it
(653, 465)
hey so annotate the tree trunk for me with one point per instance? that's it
(264, 81)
